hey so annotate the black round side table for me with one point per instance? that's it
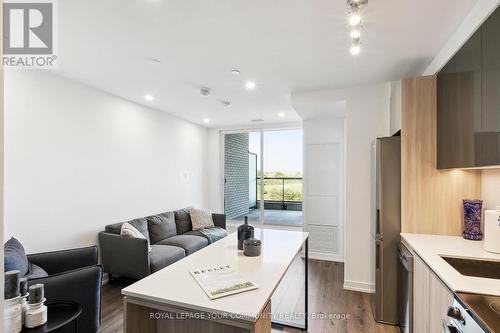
(59, 314)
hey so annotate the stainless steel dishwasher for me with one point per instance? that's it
(405, 289)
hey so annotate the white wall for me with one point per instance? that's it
(490, 188)
(77, 159)
(214, 168)
(324, 210)
(367, 117)
(396, 107)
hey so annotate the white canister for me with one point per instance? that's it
(12, 322)
(36, 315)
(492, 231)
(24, 307)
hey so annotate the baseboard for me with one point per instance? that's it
(359, 286)
(326, 256)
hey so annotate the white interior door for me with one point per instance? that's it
(324, 199)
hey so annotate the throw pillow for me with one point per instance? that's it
(140, 224)
(183, 221)
(15, 257)
(201, 218)
(36, 272)
(128, 230)
(161, 226)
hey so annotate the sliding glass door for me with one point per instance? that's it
(282, 177)
(263, 177)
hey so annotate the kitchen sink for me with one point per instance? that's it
(476, 268)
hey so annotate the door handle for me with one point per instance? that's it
(449, 328)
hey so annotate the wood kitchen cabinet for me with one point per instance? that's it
(440, 299)
(421, 296)
(431, 299)
(468, 102)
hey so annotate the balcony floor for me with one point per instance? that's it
(274, 217)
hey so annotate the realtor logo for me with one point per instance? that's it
(28, 29)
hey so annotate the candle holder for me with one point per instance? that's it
(23, 299)
(36, 315)
(12, 321)
(245, 231)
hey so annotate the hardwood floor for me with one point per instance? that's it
(326, 296)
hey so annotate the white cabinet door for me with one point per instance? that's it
(421, 296)
(441, 298)
(431, 299)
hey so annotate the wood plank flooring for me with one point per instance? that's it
(326, 296)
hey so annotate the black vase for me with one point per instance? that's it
(245, 231)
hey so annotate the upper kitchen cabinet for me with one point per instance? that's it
(468, 102)
(459, 106)
(487, 146)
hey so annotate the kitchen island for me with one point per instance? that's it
(170, 300)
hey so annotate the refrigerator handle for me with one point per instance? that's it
(377, 224)
(378, 254)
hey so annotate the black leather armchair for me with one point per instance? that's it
(74, 275)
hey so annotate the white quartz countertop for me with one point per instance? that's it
(431, 247)
(175, 286)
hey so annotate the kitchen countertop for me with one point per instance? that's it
(431, 247)
(278, 251)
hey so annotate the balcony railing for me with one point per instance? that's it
(281, 192)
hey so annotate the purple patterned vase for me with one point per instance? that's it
(472, 219)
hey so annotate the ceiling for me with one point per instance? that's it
(282, 45)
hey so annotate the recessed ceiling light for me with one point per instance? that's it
(281, 114)
(235, 72)
(250, 85)
(206, 120)
(149, 97)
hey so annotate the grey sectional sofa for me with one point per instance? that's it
(169, 238)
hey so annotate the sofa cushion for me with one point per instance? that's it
(189, 243)
(15, 257)
(211, 234)
(140, 224)
(161, 226)
(201, 218)
(36, 272)
(163, 255)
(183, 221)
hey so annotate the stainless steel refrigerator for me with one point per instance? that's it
(386, 227)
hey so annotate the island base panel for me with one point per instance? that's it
(141, 317)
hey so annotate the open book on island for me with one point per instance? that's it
(220, 281)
